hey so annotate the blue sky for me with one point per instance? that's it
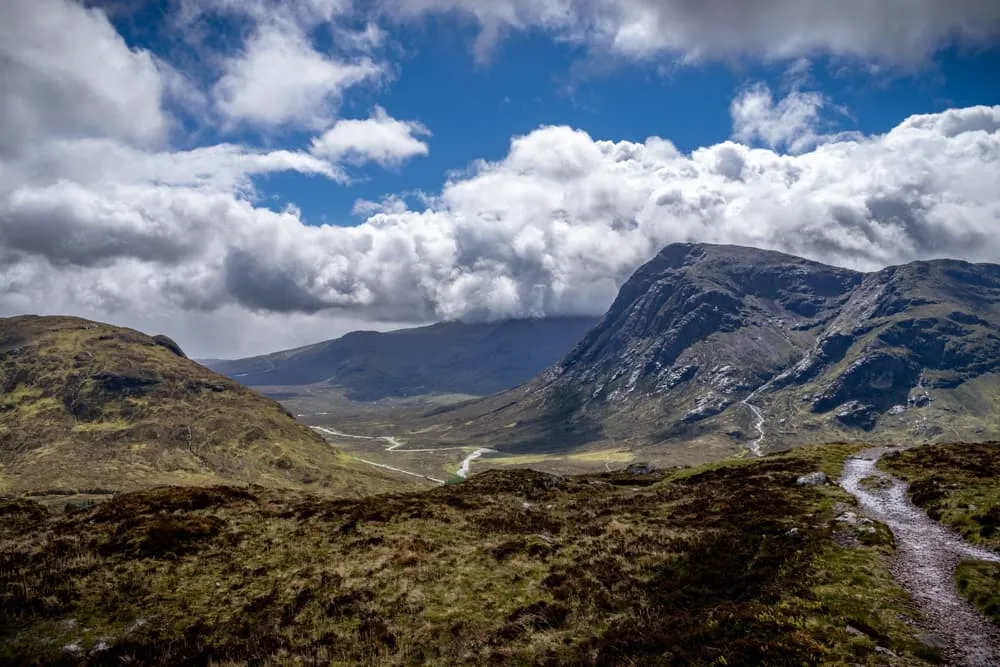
(196, 166)
(474, 107)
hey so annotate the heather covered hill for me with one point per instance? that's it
(733, 564)
(85, 405)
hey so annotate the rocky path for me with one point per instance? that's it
(925, 561)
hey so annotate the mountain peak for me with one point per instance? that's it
(732, 347)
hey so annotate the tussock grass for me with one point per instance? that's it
(733, 564)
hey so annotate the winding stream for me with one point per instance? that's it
(396, 445)
(925, 561)
(759, 421)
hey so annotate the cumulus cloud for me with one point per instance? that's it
(792, 123)
(896, 31)
(281, 78)
(102, 218)
(380, 139)
(65, 71)
(555, 227)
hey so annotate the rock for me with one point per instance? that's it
(813, 479)
(929, 639)
(167, 342)
(707, 405)
(675, 376)
(74, 648)
(897, 410)
(881, 650)
(857, 414)
(920, 400)
(639, 469)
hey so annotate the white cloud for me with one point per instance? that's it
(793, 123)
(305, 13)
(65, 71)
(555, 227)
(100, 218)
(280, 78)
(895, 31)
(380, 139)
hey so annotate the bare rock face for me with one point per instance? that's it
(167, 342)
(734, 346)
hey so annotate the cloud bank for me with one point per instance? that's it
(554, 228)
(892, 31)
(101, 216)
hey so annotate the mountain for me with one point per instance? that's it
(711, 350)
(92, 406)
(450, 357)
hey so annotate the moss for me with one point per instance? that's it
(91, 405)
(732, 564)
(980, 583)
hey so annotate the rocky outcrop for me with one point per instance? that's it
(738, 345)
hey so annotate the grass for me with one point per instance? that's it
(959, 485)
(731, 564)
(91, 405)
(978, 581)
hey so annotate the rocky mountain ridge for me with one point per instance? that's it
(703, 338)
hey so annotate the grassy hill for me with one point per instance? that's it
(734, 564)
(92, 407)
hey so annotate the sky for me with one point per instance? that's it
(252, 175)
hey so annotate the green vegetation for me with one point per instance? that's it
(86, 405)
(957, 484)
(980, 582)
(732, 564)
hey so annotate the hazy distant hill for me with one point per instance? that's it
(451, 357)
(85, 405)
(823, 353)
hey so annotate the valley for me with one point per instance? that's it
(661, 491)
(708, 352)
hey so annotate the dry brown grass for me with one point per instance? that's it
(734, 565)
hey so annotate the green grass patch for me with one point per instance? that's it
(980, 583)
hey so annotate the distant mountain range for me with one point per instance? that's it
(87, 406)
(450, 357)
(722, 349)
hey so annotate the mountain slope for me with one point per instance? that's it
(450, 357)
(710, 350)
(88, 405)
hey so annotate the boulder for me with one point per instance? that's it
(813, 479)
